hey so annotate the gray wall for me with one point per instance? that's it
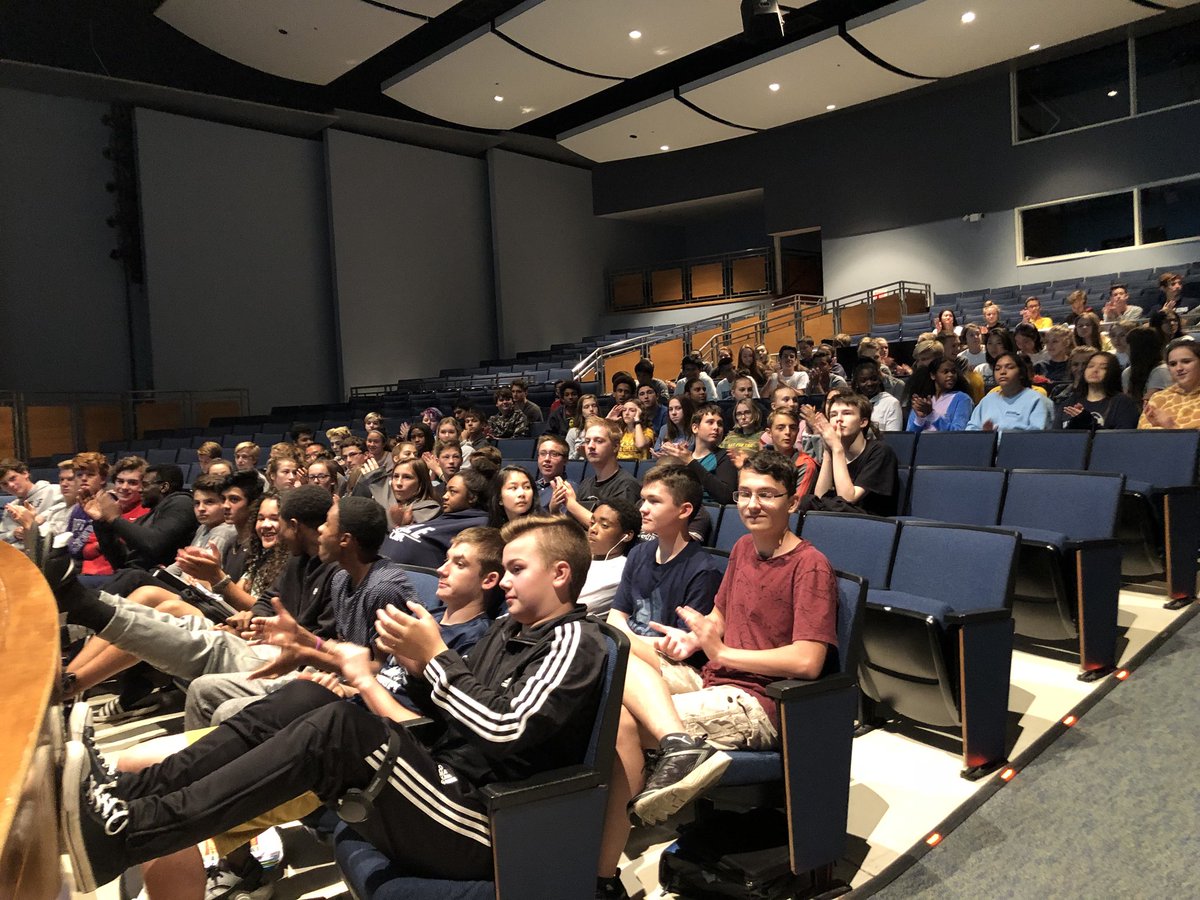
(906, 171)
(237, 272)
(412, 259)
(552, 252)
(63, 325)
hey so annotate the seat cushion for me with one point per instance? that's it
(753, 767)
(926, 606)
(373, 876)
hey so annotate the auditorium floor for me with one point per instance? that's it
(905, 781)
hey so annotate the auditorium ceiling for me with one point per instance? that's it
(604, 79)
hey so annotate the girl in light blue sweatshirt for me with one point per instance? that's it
(1016, 406)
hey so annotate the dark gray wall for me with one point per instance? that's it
(412, 258)
(62, 300)
(888, 183)
(237, 271)
(552, 252)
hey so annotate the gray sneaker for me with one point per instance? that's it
(685, 768)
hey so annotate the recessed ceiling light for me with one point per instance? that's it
(968, 17)
(1035, 47)
(635, 34)
(526, 110)
(498, 99)
(664, 147)
(1112, 93)
(773, 86)
(661, 51)
(831, 106)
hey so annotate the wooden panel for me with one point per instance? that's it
(8, 439)
(666, 286)
(887, 309)
(744, 331)
(207, 410)
(702, 337)
(49, 430)
(102, 423)
(667, 357)
(855, 319)
(622, 362)
(750, 275)
(708, 280)
(627, 291)
(154, 414)
(781, 329)
(29, 657)
(916, 301)
(820, 327)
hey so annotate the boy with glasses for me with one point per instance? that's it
(551, 456)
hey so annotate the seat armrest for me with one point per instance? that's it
(1179, 490)
(794, 689)
(555, 783)
(1093, 544)
(979, 615)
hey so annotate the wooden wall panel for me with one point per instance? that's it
(627, 291)
(700, 338)
(667, 357)
(49, 430)
(8, 439)
(666, 286)
(158, 414)
(207, 410)
(856, 320)
(820, 327)
(887, 309)
(708, 280)
(622, 362)
(102, 423)
(750, 275)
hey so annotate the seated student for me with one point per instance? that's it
(566, 415)
(589, 406)
(1029, 341)
(747, 431)
(1057, 365)
(127, 475)
(444, 462)
(885, 409)
(857, 475)
(413, 496)
(1146, 374)
(245, 459)
(707, 461)
(694, 388)
(654, 411)
(546, 650)
(53, 518)
(1096, 400)
(154, 538)
(973, 356)
(36, 496)
(940, 398)
(678, 429)
(473, 436)
(670, 571)
(508, 422)
(605, 478)
(783, 425)
(643, 371)
(612, 534)
(624, 388)
(774, 617)
(1177, 406)
(551, 456)
(822, 378)
(283, 472)
(636, 436)
(521, 401)
(486, 460)
(1031, 312)
(512, 496)
(789, 374)
(998, 341)
(464, 505)
(340, 594)
(1016, 406)
(690, 368)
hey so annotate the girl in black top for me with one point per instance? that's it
(1097, 400)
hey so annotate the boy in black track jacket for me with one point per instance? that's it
(524, 702)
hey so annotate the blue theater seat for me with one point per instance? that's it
(937, 640)
(958, 495)
(956, 448)
(1064, 449)
(545, 830)
(810, 775)
(517, 448)
(1069, 578)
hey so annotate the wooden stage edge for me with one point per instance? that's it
(31, 717)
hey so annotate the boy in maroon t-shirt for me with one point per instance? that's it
(775, 617)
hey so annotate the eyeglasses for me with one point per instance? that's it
(762, 496)
(550, 454)
(319, 476)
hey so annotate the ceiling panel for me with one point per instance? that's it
(310, 42)
(429, 8)
(930, 38)
(595, 36)
(820, 72)
(462, 84)
(663, 124)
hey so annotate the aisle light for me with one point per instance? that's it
(1121, 675)
(934, 839)
(1070, 720)
(1007, 774)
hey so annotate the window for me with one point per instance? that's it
(1168, 67)
(1072, 93)
(1078, 226)
(1152, 214)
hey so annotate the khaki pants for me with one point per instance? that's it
(728, 717)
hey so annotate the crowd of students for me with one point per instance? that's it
(276, 590)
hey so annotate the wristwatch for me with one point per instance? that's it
(220, 585)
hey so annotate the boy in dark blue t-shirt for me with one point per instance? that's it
(667, 573)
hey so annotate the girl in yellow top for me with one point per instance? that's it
(747, 430)
(636, 436)
(1177, 406)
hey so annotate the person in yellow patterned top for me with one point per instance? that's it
(636, 436)
(1177, 406)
